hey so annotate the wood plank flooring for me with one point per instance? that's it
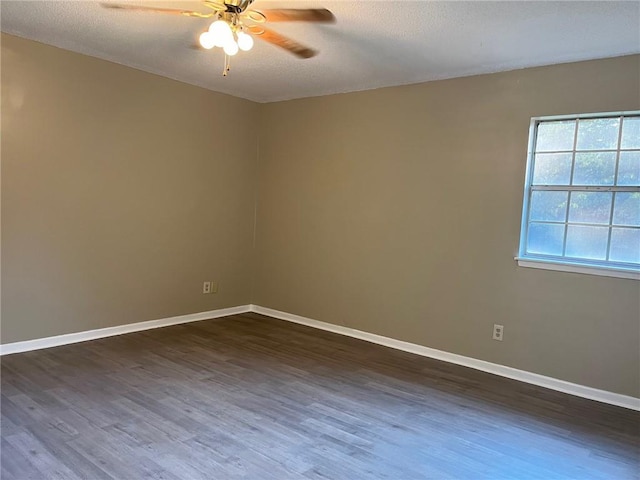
(249, 397)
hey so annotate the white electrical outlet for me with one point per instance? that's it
(206, 287)
(498, 332)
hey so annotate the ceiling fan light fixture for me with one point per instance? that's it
(245, 41)
(231, 48)
(207, 40)
(221, 33)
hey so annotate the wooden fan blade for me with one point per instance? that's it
(170, 11)
(283, 42)
(321, 15)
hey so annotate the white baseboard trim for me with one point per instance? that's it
(494, 368)
(38, 343)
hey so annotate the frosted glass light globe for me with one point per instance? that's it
(245, 42)
(207, 40)
(231, 48)
(221, 32)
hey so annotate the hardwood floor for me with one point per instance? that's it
(256, 398)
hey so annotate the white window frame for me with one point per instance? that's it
(564, 264)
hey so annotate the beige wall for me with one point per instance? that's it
(397, 211)
(393, 211)
(121, 193)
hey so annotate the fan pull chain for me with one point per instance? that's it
(227, 65)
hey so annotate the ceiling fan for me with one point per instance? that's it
(234, 24)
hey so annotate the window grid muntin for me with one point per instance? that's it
(605, 150)
(585, 224)
(573, 171)
(615, 182)
(614, 189)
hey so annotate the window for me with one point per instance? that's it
(582, 195)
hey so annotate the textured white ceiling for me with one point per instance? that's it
(373, 44)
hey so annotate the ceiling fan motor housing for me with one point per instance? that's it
(237, 6)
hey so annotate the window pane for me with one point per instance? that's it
(553, 136)
(629, 168)
(548, 206)
(598, 134)
(545, 238)
(625, 245)
(587, 242)
(590, 207)
(630, 132)
(596, 168)
(552, 169)
(626, 210)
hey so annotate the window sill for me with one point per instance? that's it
(574, 268)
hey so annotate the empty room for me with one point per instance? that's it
(320, 240)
